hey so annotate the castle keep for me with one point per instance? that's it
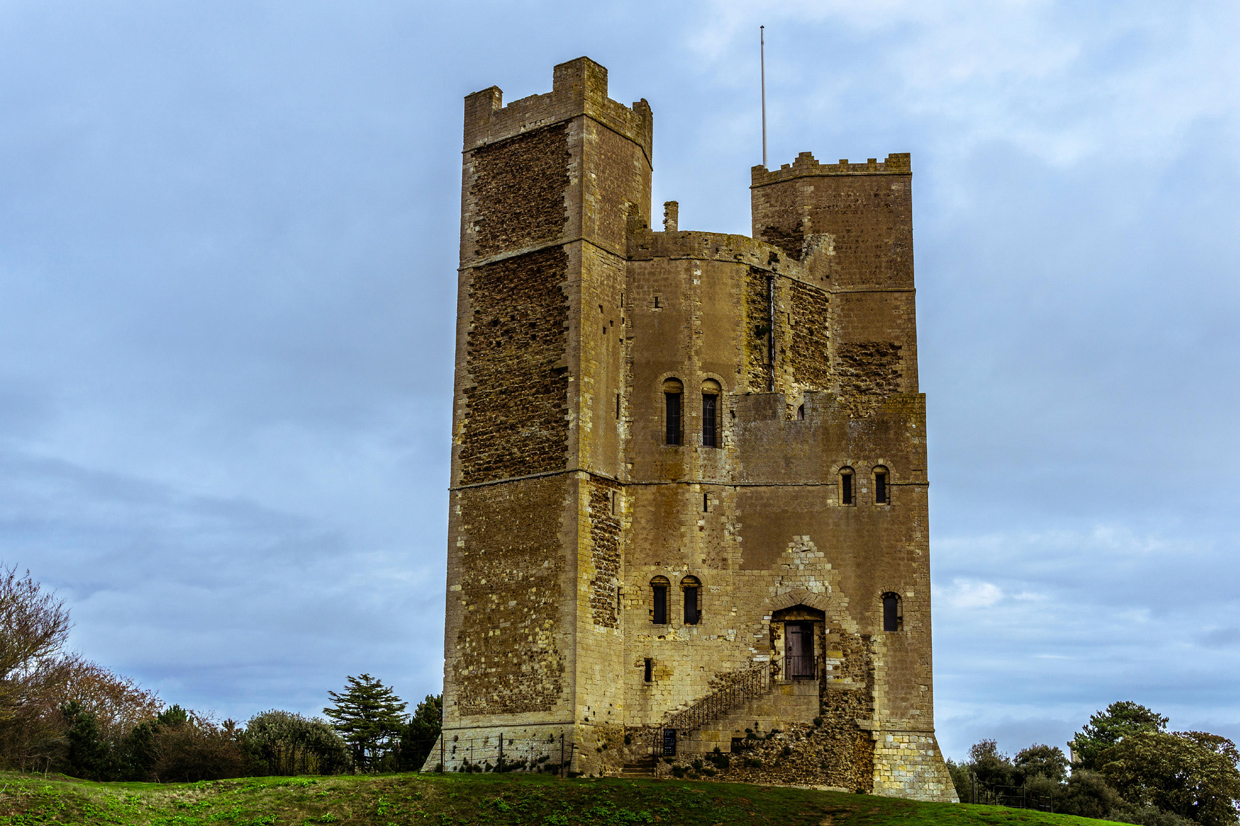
(688, 525)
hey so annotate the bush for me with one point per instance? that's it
(285, 743)
(190, 747)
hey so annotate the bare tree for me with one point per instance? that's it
(34, 626)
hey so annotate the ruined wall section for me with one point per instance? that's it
(810, 353)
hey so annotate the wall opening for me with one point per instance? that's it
(846, 486)
(880, 486)
(673, 391)
(658, 592)
(710, 413)
(893, 616)
(649, 672)
(691, 590)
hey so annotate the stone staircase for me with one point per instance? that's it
(786, 702)
(639, 770)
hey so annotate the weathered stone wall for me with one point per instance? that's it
(518, 190)
(605, 553)
(910, 765)
(518, 396)
(811, 337)
(509, 596)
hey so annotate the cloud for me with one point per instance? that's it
(964, 593)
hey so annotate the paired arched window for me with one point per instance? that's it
(673, 393)
(711, 391)
(893, 615)
(691, 590)
(658, 590)
(882, 494)
(847, 495)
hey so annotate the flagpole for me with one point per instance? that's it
(762, 53)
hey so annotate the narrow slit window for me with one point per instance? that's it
(709, 424)
(846, 486)
(649, 672)
(672, 394)
(691, 589)
(710, 413)
(705, 503)
(891, 612)
(658, 589)
(880, 486)
(617, 407)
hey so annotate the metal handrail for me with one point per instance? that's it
(737, 688)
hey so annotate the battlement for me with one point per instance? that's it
(899, 163)
(579, 87)
(646, 245)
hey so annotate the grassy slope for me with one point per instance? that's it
(27, 800)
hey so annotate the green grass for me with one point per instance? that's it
(494, 800)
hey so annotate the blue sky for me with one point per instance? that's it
(228, 239)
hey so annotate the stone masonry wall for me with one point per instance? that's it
(605, 553)
(811, 339)
(505, 658)
(868, 372)
(910, 765)
(518, 190)
(517, 423)
(757, 331)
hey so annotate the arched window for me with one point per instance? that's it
(893, 615)
(710, 413)
(673, 391)
(690, 589)
(800, 412)
(658, 590)
(881, 492)
(846, 486)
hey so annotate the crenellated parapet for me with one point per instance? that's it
(899, 163)
(579, 87)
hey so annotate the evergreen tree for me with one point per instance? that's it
(367, 714)
(1106, 728)
(89, 755)
(419, 735)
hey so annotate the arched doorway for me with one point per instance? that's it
(801, 638)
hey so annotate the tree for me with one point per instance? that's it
(1106, 728)
(1040, 760)
(288, 743)
(89, 755)
(368, 716)
(34, 626)
(1191, 774)
(189, 747)
(117, 703)
(418, 736)
(992, 767)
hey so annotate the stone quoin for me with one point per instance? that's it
(688, 509)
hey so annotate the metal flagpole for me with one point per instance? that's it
(762, 53)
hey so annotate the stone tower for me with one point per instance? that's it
(688, 500)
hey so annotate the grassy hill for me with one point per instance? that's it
(27, 800)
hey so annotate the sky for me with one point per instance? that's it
(228, 250)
